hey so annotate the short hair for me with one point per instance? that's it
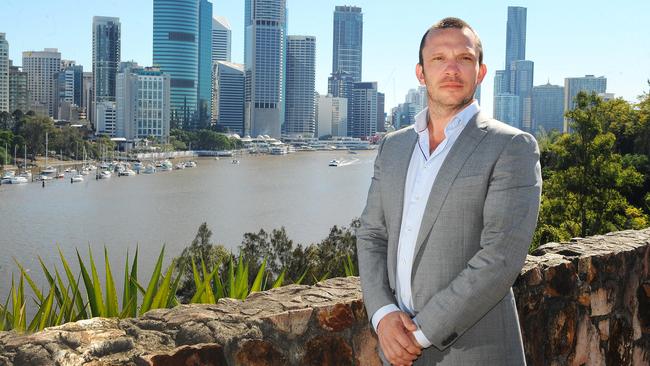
(453, 23)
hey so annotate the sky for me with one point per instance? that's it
(564, 38)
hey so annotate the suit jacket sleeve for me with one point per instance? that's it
(372, 246)
(509, 218)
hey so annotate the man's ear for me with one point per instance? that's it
(482, 71)
(419, 73)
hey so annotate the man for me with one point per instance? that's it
(450, 214)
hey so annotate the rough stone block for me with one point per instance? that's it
(336, 318)
(600, 302)
(257, 352)
(195, 355)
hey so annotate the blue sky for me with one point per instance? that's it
(564, 38)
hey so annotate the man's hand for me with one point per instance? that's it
(395, 333)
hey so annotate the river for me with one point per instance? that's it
(298, 191)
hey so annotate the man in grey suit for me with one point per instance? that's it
(451, 210)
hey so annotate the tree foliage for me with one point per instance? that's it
(593, 175)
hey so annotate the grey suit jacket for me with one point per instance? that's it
(474, 237)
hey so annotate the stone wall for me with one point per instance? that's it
(586, 302)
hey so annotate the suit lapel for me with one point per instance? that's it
(466, 143)
(398, 176)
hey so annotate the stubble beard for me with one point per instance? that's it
(437, 105)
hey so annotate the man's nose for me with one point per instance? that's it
(452, 67)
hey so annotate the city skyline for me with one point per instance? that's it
(570, 43)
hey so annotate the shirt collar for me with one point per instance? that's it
(459, 120)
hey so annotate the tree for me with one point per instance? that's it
(5, 120)
(200, 250)
(586, 181)
(33, 130)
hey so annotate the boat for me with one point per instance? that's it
(334, 162)
(190, 164)
(7, 176)
(149, 169)
(77, 178)
(127, 172)
(18, 180)
(235, 161)
(26, 174)
(180, 165)
(165, 165)
(105, 174)
(224, 153)
(43, 177)
(278, 150)
(48, 170)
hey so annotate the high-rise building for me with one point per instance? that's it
(332, 116)
(517, 77)
(381, 115)
(572, 86)
(521, 85)
(4, 73)
(507, 107)
(501, 82)
(548, 108)
(348, 41)
(364, 110)
(18, 95)
(70, 84)
(87, 95)
(142, 103)
(106, 57)
(515, 35)
(176, 52)
(69, 91)
(106, 118)
(41, 68)
(221, 39)
(300, 105)
(417, 98)
(205, 64)
(228, 102)
(404, 115)
(340, 83)
(588, 83)
(264, 57)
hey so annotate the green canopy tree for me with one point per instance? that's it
(586, 180)
(33, 129)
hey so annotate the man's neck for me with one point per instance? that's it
(438, 118)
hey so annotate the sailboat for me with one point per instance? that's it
(26, 173)
(48, 168)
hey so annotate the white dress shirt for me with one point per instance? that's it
(422, 171)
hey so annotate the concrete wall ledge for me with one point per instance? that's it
(585, 302)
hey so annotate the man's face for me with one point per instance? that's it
(451, 71)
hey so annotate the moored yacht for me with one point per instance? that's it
(18, 180)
